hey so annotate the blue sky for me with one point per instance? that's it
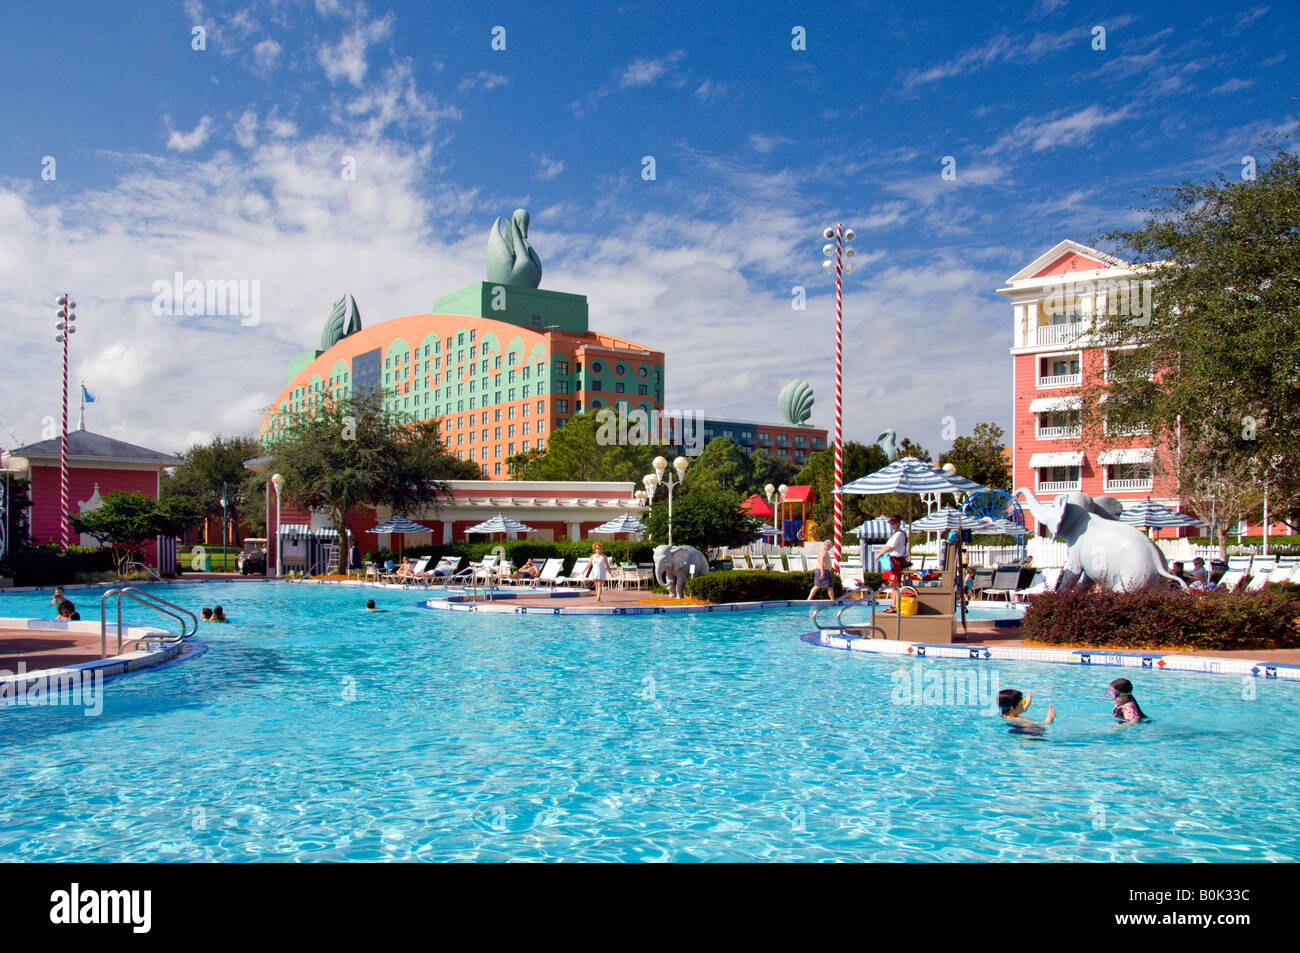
(225, 164)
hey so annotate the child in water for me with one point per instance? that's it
(1013, 703)
(1126, 706)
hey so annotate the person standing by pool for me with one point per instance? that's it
(598, 569)
(896, 549)
(822, 578)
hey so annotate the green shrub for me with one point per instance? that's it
(752, 586)
(1156, 617)
(49, 565)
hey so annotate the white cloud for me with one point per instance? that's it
(645, 72)
(483, 80)
(761, 143)
(547, 168)
(189, 141)
(1233, 85)
(395, 101)
(1053, 131)
(347, 58)
(267, 54)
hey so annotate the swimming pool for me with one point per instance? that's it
(312, 730)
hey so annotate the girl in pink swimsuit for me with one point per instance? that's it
(1126, 706)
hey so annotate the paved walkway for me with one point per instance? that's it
(39, 649)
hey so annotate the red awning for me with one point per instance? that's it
(756, 505)
(800, 494)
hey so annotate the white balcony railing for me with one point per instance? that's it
(1060, 486)
(1060, 380)
(1129, 485)
(1060, 433)
(1055, 334)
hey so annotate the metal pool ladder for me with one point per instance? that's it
(849, 600)
(156, 603)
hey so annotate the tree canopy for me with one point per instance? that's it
(126, 521)
(1213, 371)
(705, 515)
(338, 456)
(980, 457)
(576, 453)
(219, 462)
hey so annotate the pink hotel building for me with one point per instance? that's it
(1053, 301)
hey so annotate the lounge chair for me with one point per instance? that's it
(441, 570)
(417, 570)
(551, 570)
(983, 579)
(1280, 574)
(1258, 581)
(1230, 579)
(1006, 581)
(577, 575)
(1044, 581)
(1239, 562)
(740, 561)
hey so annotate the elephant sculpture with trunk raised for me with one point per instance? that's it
(673, 566)
(1102, 550)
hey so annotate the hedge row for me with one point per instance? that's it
(49, 565)
(1157, 617)
(750, 585)
(519, 551)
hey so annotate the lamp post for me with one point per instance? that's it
(835, 255)
(775, 495)
(67, 314)
(277, 481)
(652, 481)
(224, 557)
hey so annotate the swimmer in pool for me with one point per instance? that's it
(370, 606)
(1126, 706)
(1012, 705)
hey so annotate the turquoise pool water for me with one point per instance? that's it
(313, 730)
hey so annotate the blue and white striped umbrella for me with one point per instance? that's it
(626, 523)
(876, 530)
(400, 524)
(910, 475)
(1152, 515)
(501, 524)
(996, 527)
(943, 520)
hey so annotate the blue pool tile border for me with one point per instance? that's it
(1155, 661)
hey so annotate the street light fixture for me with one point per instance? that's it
(67, 315)
(278, 481)
(775, 495)
(652, 482)
(835, 261)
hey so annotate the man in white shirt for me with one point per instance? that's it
(896, 545)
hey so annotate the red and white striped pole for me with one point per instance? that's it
(67, 315)
(839, 378)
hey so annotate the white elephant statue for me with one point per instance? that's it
(1103, 551)
(673, 566)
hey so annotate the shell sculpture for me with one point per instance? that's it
(344, 319)
(510, 259)
(796, 401)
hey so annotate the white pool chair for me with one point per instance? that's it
(576, 576)
(551, 570)
(1280, 574)
(1239, 562)
(740, 561)
(1230, 579)
(1258, 581)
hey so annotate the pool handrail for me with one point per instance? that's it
(157, 603)
(847, 601)
(140, 565)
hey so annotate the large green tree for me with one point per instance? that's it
(705, 516)
(768, 469)
(586, 449)
(339, 456)
(859, 460)
(1214, 368)
(723, 463)
(980, 457)
(219, 463)
(126, 521)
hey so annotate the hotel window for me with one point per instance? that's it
(510, 359)
(511, 431)
(541, 444)
(525, 407)
(471, 436)
(496, 381)
(484, 436)
(460, 454)
(510, 395)
(524, 392)
(541, 426)
(524, 446)
(641, 390)
(471, 403)
(498, 432)
(496, 362)
(388, 362)
(642, 371)
(471, 450)
(595, 385)
(525, 429)
(496, 415)
(561, 367)
(619, 388)
(562, 423)
(460, 339)
(541, 388)
(511, 448)
(800, 442)
(510, 413)
(510, 377)
(460, 440)
(497, 469)
(473, 369)
(782, 440)
(473, 335)
(460, 405)
(460, 390)
(525, 371)
(541, 407)
(497, 450)
(561, 406)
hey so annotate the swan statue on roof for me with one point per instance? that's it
(510, 259)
